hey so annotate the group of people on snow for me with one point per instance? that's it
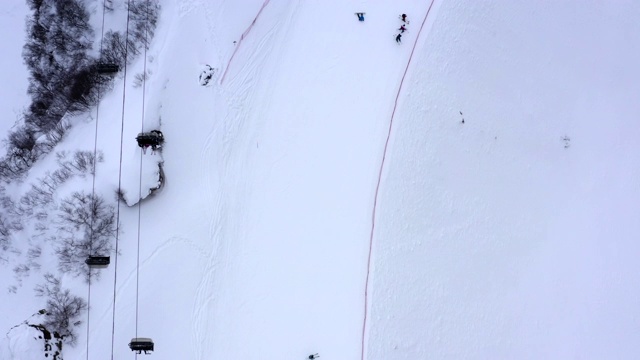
(402, 28)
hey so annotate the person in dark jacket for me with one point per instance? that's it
(404, 17)
(399, 38)
(314, 356)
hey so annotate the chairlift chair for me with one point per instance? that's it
(98, 261)
(152, 138)
(141, 344)
(107, 68)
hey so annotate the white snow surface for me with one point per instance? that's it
(14, 76)
(22, 343)
(493, 239)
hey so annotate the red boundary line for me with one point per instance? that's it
(375, 199)
(244, 34)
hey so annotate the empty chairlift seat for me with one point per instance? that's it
(98, 261)
(141, 344)
(107, 68)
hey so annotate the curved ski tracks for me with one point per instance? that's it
(228, 145)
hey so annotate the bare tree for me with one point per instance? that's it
(63, 308)
(114, 48)
(87, 226)
(144, 19)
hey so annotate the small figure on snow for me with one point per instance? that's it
(360, 16)
(314, 356)
(403, 17)
(399, 38)
(402, 29)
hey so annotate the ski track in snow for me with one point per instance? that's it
(130, 277)
(239, 42)
(222, 143)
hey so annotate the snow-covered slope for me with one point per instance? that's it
(510, 235)
(14, 77)
(497, 239)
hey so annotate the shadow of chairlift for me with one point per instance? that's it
(98, 262)
(107, 68)
(141, 344)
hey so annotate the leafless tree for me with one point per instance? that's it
(63, 308)
(87, 226)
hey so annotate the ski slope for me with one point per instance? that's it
(492, 238)
(497, 242)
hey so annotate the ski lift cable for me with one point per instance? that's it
(115, 276)
(93, 186)
(144, 91)
(88, 309)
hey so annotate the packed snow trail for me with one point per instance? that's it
(238, 43)
(379, 180)
(294, 234)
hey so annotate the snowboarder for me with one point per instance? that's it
(360, 16)
(403, 17)
(399, 38)
(314, 356)
(402, 29)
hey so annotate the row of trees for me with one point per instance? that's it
(76, 226)
(63, 75)
(85, 223)
(64, 81)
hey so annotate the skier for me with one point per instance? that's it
(404, 17)
(360, 16)
(402, 29)
(314, 356)
(399, 38)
